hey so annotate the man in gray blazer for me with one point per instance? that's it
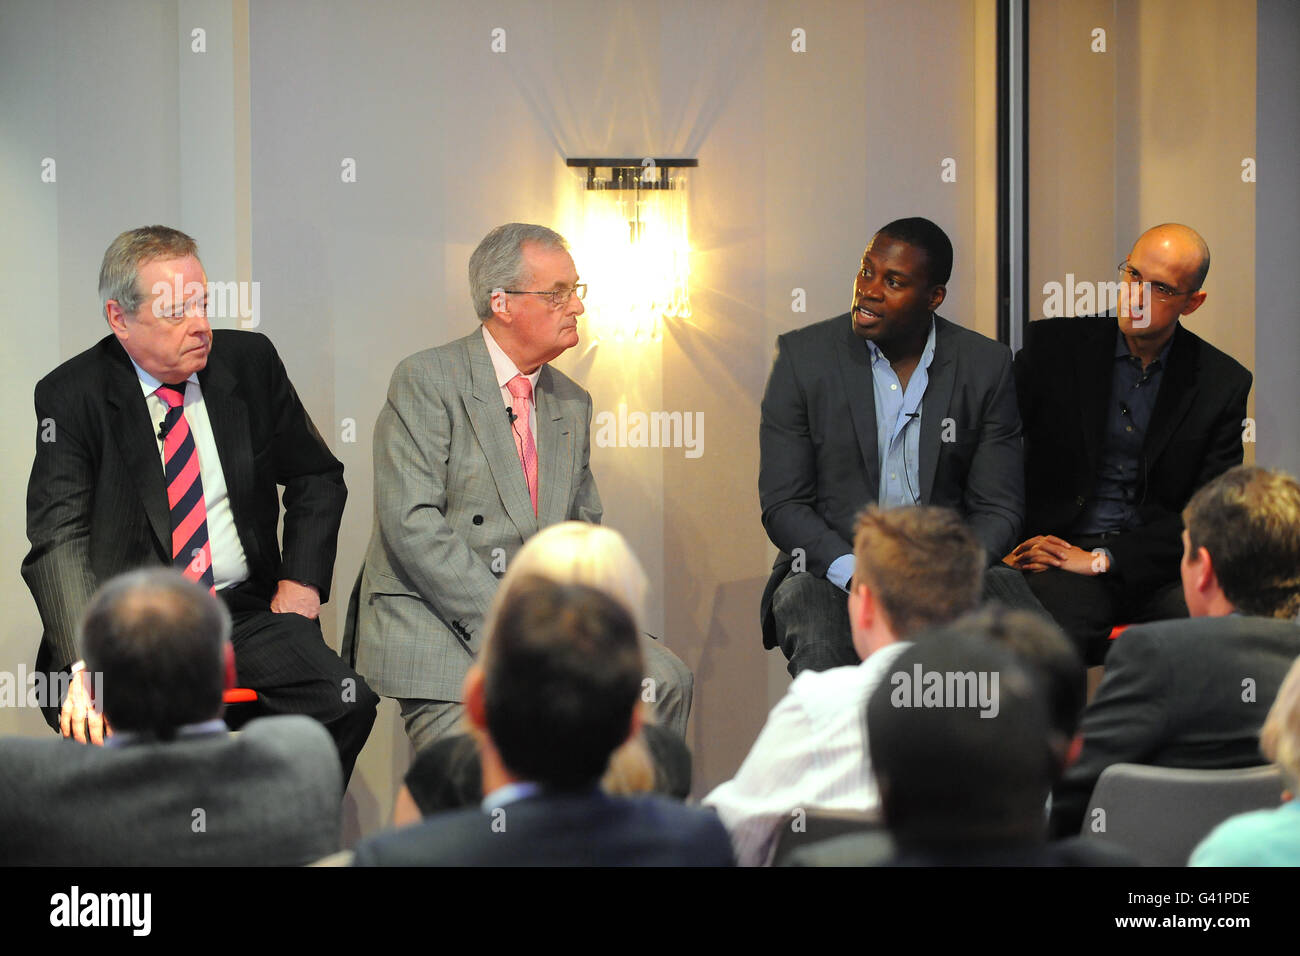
(171, 786)
(889, 404)
(480, 444)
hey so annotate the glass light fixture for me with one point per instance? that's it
(632, 245)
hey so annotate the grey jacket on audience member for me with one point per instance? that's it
(268, 796)
(1186, 693)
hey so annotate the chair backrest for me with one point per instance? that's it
(814, 825)
(1159, 814)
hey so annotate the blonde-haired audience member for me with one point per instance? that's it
(446, 774)
(575, 552)
(553, 694)
(1266, 837)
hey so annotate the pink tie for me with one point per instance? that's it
(521, 390)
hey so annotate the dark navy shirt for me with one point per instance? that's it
(1133, 390)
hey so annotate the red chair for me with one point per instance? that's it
(241, 702)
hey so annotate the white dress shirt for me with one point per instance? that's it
(229, 563)
(812, 752)
(506, 370)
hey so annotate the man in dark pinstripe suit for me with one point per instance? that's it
(99, 501)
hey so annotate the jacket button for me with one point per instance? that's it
(478, 519)
(1080, 501)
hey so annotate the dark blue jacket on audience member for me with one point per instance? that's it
(587, 828)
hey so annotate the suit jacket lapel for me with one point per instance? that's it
(554, 453)
(1175, 396)
(855, 369)
(133, 431)
(1093, 389)
(488, 416)
(228, 415)
(942, 376)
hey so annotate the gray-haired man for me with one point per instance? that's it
(479, 445)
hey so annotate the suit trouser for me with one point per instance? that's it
(285, 659)
(1085, 606)
(812, 624)
(669, 691)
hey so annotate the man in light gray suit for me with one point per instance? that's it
(479, 445)
(171, 786)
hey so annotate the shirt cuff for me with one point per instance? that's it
(840, 571)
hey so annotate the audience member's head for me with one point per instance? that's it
(1241, 545)
(913, 568)
(557, 684)
(576, 552)
(1050, 657)
(1279, 739)
(956, 731)
(159, 641)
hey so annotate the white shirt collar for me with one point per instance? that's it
(510, 793)
(927, 353)
(501, 364)
(149, 384)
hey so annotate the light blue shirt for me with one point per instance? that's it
(125, 738)
(898, 439)
(510, 793)
(1258, 838)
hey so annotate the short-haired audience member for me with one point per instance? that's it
(172, 786)
(916, 568)
(1266, 837)
(575, 552)
(1124, 419)
(554, 693)
(1044, 652)
(1194, 693)
(1048, 654)
(964, 770)
(888, 404)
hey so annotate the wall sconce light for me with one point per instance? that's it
(633, 245)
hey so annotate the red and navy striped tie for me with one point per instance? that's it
(191, 549)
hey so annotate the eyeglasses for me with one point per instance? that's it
(1163, 292)
(559, 298)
